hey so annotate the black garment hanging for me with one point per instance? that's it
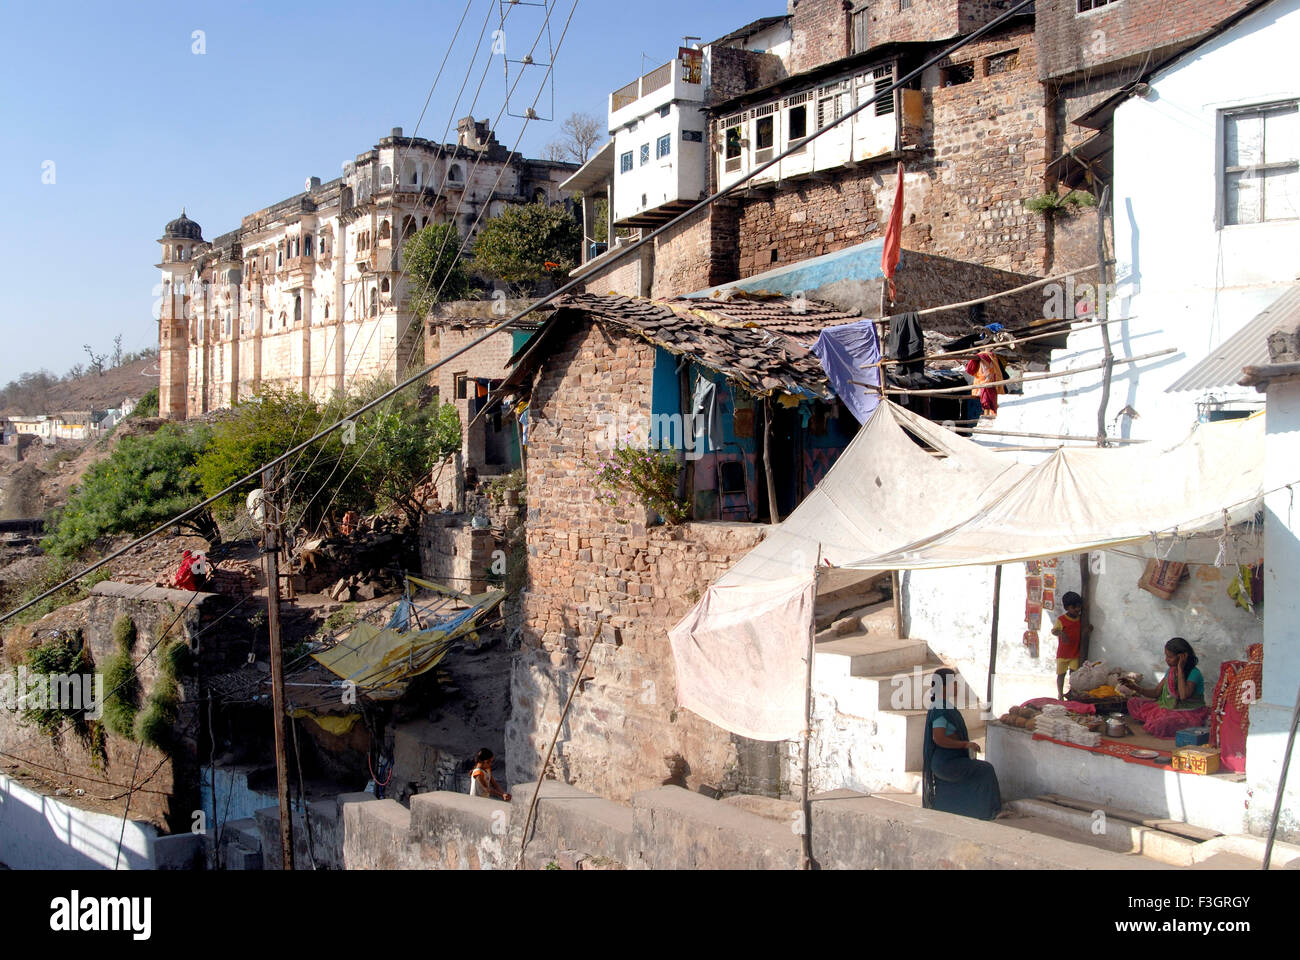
(907, 341)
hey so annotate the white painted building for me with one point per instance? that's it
(1206, 212)
(1206, 201)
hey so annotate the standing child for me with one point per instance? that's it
(481, 781)
(1069, 631)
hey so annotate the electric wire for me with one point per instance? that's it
(619, 256)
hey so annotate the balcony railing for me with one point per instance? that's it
(628, 95)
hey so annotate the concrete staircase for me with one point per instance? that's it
(868, 708)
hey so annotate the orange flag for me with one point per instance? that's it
(893, 236)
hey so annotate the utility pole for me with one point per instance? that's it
(271, 550)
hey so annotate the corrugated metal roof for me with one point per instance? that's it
(1246, 348)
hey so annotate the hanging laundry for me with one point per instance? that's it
(907, 342)
(851, 352)
(1247, 588)
(706, 416)
(987, 368)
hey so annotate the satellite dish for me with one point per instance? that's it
(257, 505)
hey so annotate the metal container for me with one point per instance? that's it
(1115, 727)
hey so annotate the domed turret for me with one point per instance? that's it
(183, 228)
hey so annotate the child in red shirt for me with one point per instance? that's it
(1069, 629)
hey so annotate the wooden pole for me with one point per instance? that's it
(1003, 344)
(938, 391)
(807, 720)
(1281, 783)
(1085, 591)
(1006, 293)
(271, 550)
(773, 512)
(993, 633)
(1105, 333)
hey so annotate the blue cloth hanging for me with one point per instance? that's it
(851, 352)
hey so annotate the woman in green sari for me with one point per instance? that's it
(952, 780)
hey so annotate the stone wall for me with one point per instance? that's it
(697, 253)
(169, 793)
(983, 152)
(595, 578)
(1120, 32)
(822, 32)
(927, 20)
(455, 554)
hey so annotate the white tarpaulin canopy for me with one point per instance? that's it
(910, 494)
(884, 491)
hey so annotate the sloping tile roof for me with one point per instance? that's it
(758, 341)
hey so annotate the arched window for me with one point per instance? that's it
(279, 257)
(306, 244)
(374, 302)
(424, 222)
(179, 255)
(385, 231)
(327, 309)
(266, 263)
(385, 176)
(297, 310)
(408, 227)
(454, 174)
(383, 285)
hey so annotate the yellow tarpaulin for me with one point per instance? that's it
(337, 724)
(381, 661)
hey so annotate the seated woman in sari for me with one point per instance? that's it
(952, 781)
(1177, 701)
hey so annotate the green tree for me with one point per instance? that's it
(517, 246)
(148, 405)
(398, 445)
(145, 482)
(264, 427)
(432, 259)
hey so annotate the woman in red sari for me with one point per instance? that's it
(1176, 702)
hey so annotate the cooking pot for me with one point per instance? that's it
(1115, 727)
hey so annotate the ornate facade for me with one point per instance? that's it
(309, 294)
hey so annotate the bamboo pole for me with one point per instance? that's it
(993, 633)
(937, 391)
(1042, 436)
(996, 344)
(1006, 293)
(773, 512)
(541, 774)
(1105, 338)
(807, 721)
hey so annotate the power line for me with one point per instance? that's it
(619, 255)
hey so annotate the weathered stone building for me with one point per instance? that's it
(310, 294)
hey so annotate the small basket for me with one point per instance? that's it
(1201, 760)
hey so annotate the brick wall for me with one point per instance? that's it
(1121, 31)
(595, 579)
(822, 32)
(733, 70)
(700, 252)
(983, 154)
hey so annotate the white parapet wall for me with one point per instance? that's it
(44, 833)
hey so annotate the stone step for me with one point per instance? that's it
(901, 737)
(1108, 833)
(862, 655)
(899, 689)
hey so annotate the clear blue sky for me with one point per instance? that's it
(138, 125)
